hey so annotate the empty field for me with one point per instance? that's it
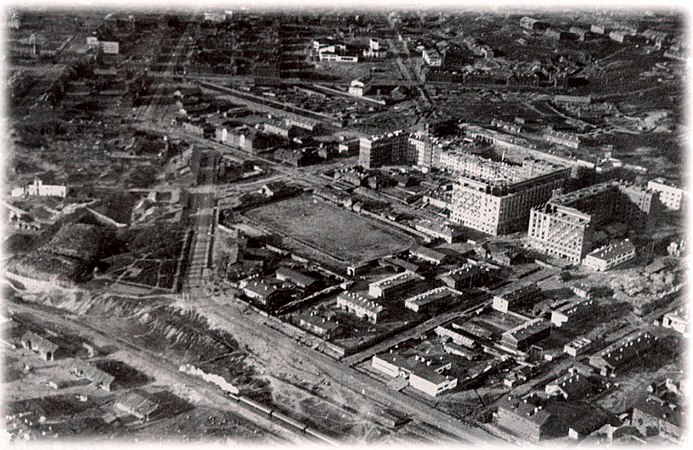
(340, 234)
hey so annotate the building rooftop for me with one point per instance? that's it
(138, 404)
(527, 329)
(576, 308)
(295, 276)
(661, 410)
(523, 408)
(430, 296)
(613, 250)
(437, 227)
(573, 384)
(579, 343)
(319, 321)
(627, 348)
(427, 253)
(359, 300)
(39, 343)
(395, 280)
(516, 292)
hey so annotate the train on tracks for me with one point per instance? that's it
(283, 419)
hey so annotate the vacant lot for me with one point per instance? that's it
(336, 232)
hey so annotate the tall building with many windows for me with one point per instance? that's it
(565, 226)
(496, 198)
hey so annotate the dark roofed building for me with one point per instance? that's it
(92, 373)
(571, 386)
(267, 292)
(40, 345)
(621, 355)
(428, 254)
(299, 279)
(321, 326)
(137, 405)
(527, 420)
(528, 333)
(515, 297)
(656, 416)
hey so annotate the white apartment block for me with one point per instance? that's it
(670, 196)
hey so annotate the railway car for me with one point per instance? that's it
(320, 436)
(252, 404)
(289, 421)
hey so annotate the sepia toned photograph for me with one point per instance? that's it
(344, 224)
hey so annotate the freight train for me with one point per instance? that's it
(282, 419)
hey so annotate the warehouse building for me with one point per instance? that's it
(604, 258)
(360, 306)
(523, 336)
(573, 312)
(393, 285)
(621, 355)
(516, 297)
(432, 298)
(529, 421)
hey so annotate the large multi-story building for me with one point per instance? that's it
(565, 226)
(399, 147)
(670, 196)
(386, 149)
(496, 198)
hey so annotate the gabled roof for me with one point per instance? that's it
(39, 343)
(138, 404)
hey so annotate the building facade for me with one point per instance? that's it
(670, 196)
(500, 203)
(608, 256)
(565, 226)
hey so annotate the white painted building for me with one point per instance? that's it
(670, 196)
(38, 189)
(604, 258)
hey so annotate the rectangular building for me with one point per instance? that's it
(456, 336)
(429, 299)
(670, 196)
(516, 297)
(527, 420)
(604, 258)
(523, 336)
(439, 230)
(497, 200)
(431, 382)
(676, 320)
(393, 285)
(565, 226)
(360, 306)
(573, 312)
(321, 326)
(384, 150)
(577, 346)
(621, 355)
